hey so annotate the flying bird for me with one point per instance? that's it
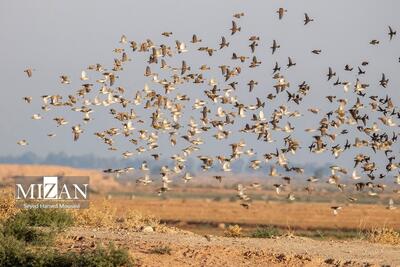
(290, 63)
(235, 28)
(22, 142)
(307, 19)
(29, 72)
(76, 131)
(391, 205)
(281, 11)
(330, 74)
(391, 33)
(274, 46)
(335, 209)
(27, 99)
(238, 15)
(384, 82)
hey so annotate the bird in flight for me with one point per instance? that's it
(330, 73)
(307, 19)
(335, 209)
(185, 105)
(391, 33)
(274, 46)
(29, 72)
(281, 11)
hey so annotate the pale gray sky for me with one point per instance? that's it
(64, 37)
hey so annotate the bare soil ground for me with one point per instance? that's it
(188, 249)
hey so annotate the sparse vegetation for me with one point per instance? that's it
(384, 236)
(25, 237)
(329, 234)
(233, 231)
(136, 221)
(162, 250)
(36, 226)
(57, 218)
(102, 215)
(266, 232)
(14, 252)
(7, 204)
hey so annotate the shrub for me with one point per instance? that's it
(20, 229)
(27, 225)
(105, 216)
(7, 204)
(14, 253)
(110, 256)
(384, 236)
(233, 231)
(96, 216)
(39, 227)
(137, 221)
(58, 218)
(266, 232)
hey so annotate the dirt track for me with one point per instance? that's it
(188, 249)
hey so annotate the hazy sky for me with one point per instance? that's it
(64, 37)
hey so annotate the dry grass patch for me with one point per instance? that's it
(233, 231)
(384, 236)
(102, 215)
(136, 221)
(7, 204)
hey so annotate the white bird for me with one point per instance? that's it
(335, 210)
(144, 166)
(123, 39)
(397, 179)
(145, 180)
(127, 154)
(76, 131)
(273, 172)
(354, 175)
(36, 117)
(291, 197)
(346, 86)
(391, 205)
(22, 142)
(181, 47)
(226, 167)
(84, 76)
(278, 188)
(187, 177)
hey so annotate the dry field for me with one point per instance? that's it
(287, 215)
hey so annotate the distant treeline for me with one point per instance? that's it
(192, 164)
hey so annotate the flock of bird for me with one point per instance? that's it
(368, 120)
